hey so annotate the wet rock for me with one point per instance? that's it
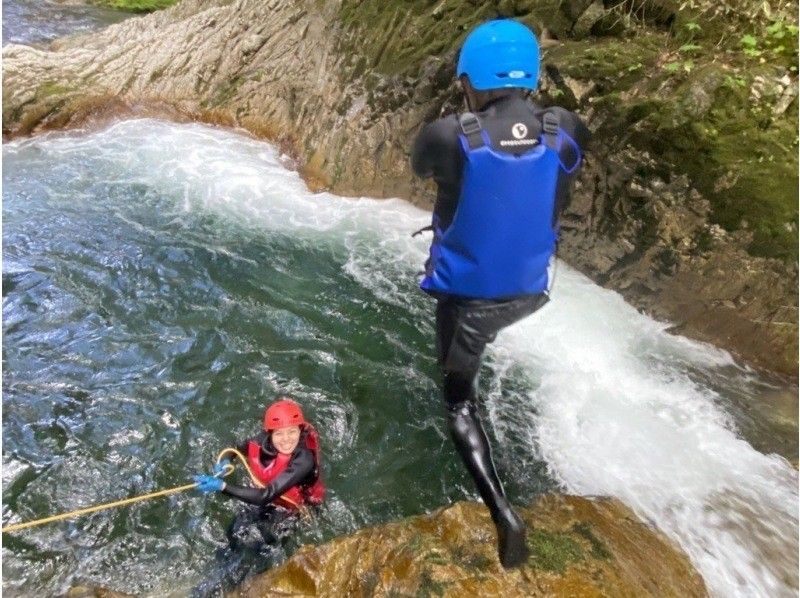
(579, 547)
(593, 14)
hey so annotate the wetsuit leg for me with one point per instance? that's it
(256, 537)
(464, 328)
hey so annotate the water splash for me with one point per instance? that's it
(604, 397)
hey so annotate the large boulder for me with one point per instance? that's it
(579, 547)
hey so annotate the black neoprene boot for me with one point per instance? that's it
(472, 444)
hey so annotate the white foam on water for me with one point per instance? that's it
(607, 401)
(611, 414)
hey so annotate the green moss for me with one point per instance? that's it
(599, 550)
(737, 154)
(52, 89)
(395, 36)
(553, 551)
(226, 91)
(648, 80)
(136, 5)
(610, 60)
(467, 557)
(429, 587)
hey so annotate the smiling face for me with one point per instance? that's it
(286, 439)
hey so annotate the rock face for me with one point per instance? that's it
(579, 547)
(688, 203)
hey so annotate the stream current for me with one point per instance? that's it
(162, 282)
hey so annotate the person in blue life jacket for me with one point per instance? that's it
(504, 171)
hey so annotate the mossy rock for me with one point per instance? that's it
(578, 547)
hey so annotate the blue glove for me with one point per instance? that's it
(221, 467)
(208, 483)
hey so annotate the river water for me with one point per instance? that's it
(162, 282)
(37, 22)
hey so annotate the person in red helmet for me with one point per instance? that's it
(285, 458)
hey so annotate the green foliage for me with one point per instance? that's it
(692, 27)
(678, 66)
(781, 39)
(735, 81)
(136, 5)
(750, 46)
(599, 550)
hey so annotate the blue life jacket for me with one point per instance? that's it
(503, 237)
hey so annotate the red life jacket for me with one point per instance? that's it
(296, 496)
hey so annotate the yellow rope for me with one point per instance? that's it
(127, 501)
(243, 461)
(258, 483)
(109, 505)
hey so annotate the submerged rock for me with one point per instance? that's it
(579, 547)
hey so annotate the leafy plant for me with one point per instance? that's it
(679, 65)
(750, 46)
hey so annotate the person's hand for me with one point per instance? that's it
(208, 483)
(221, 467)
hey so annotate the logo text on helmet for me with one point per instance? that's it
(519, 130)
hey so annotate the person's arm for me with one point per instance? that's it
(298, 470)
(572, 125)
(436, 153)
(423, 153)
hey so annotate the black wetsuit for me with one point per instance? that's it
(299, 472)
(258, 534)
(465, 326)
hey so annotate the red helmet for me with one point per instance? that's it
(283, 413)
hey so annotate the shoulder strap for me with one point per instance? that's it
(550, 125)
(471, 127)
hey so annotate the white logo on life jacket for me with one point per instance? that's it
(519, 131)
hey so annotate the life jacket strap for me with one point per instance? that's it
(471, 127)
(550, 126)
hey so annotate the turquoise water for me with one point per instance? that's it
(162, 282)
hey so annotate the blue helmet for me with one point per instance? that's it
(500, 53)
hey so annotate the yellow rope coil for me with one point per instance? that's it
(243, 460)
(134, 499)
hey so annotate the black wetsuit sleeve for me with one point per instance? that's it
(298, 471)
(572, 125)
(436, 153)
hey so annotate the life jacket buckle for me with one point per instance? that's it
(471, 127)
(550, 123)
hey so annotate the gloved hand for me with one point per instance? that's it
(208, 483)
(220, 467)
